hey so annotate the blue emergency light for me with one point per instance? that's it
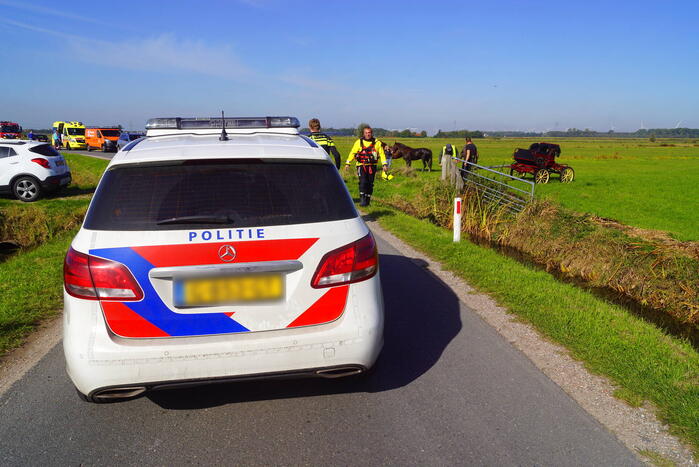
(197, 123)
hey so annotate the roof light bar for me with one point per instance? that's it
(216, 123)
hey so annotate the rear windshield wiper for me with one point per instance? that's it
(197, 220)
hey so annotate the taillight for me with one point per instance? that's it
(351, 263)
(95, 278)
(42, 162)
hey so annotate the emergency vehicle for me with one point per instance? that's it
(210, 255)
(10, 130)
(72, 134)
(104, 139)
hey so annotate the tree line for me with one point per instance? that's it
(569, 133)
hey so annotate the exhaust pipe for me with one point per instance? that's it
(339, 372)
(119, 393)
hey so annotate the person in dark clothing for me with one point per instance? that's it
(469, 154)
(323, 140)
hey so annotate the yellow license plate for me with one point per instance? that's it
(227, 290)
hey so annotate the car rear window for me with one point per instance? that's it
(248, 192)
(45, 150)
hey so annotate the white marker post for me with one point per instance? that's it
(457, 219)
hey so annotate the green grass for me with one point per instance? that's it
(32, 224)
(31, 281)
(644, 362)
(31, 286)
(643, 184)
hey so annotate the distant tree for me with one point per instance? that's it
(652, 138)
(423, 134)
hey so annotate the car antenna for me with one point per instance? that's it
(224, 135)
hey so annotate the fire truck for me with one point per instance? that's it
(10, 130)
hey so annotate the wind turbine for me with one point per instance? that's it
(678, 124)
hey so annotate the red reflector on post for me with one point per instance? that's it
(351, 263)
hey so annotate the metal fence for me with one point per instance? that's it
(493, 186)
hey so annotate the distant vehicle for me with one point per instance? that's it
(72, 134)
(42, 138)
(127, 136)
(102, 138)
(205, 258)
(30, 168)
(10, 130)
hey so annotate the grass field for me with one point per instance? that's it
(31, 281)
(639, 183)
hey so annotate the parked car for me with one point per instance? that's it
(206, 258)
(104, 139)
(127, 136)
(30, 168)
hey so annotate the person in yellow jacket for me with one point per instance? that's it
(367, 152)
(449, 150)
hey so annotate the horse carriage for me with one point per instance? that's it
(540, 161)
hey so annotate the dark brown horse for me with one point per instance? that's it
(400, 150)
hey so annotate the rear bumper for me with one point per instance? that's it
(55, 182)
(97, 359)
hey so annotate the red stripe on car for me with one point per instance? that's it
(327, 308)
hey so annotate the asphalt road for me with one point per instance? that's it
(447, 390)
(93, 153)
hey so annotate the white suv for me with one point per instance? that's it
(206, 257)
(30, 168)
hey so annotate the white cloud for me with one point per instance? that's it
(51, 12)
(163, 53)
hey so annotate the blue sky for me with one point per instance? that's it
(527, 65)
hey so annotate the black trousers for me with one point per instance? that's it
(366, 174)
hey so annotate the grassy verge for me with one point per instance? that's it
(31, 281)
(31, 224)
(646, 363)
(31, 290)
(650, 270)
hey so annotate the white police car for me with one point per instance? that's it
(204, 257)
(30, 168)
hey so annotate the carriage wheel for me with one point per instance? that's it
(567, 175)
(541, 176)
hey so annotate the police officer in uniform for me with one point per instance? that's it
(367, 151)
(449, 151)
(323, 140)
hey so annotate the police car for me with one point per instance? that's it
(211, 255)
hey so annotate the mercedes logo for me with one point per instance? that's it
(227, 253)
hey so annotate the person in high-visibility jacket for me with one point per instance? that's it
(448, 150)
(367, 152)
(323, 140)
